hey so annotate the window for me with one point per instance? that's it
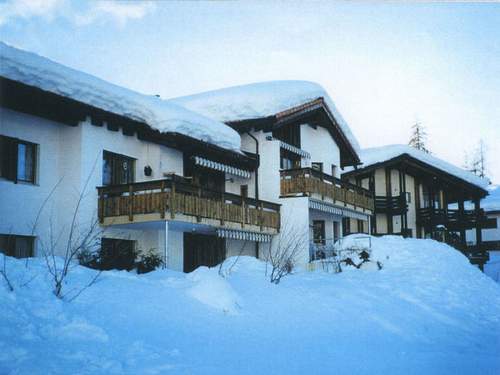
(317, 166)
(361, 226)
(408, 197)
(319, 232)
(17, 160)
(117, 169)
(117, 254)
(244, 191)
(289, 160)
(16, 246)
(346, 226)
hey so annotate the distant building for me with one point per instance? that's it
(419, 195)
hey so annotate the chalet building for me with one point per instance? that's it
(490, 234)
(418, 195)
(153, 174)
(302, 144)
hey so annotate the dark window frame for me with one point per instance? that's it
(115, 178)
(8, 242)
(346, 226)
(317, 166)
(289, 160)
(361, 226)
(319, 224)
(9, 160)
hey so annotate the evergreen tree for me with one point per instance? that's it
(418, 137)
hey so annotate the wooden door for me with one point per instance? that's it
(202, 250)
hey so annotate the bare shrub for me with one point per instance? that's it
(3, 272)
(79, 240)
(283, 251)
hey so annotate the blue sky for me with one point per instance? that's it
(385, 65)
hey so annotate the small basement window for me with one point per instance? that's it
(17, 246)
(18, 160)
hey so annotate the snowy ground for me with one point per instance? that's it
(426, 312)
(492, 268)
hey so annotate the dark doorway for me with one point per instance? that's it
(202, 250)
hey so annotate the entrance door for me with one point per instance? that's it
(202, 250)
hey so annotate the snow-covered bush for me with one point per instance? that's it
(148, 261)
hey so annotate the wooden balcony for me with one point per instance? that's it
(451, 219)
(176, 198)
(391, 205)
(312, 182)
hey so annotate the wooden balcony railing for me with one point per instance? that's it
(451, 219)
(393, 205)
(177, 195)
(310, 181)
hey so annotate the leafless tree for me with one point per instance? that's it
(3, 272)
(60, 250)
(283, 251)
(476, 161)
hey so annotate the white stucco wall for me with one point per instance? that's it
(322, 147)
(294, 227)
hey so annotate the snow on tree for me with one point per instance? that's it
(418, 137)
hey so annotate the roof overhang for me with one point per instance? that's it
(453, 184)
(34, 101)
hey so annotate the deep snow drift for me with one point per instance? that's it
(38, 71)
(428, 311)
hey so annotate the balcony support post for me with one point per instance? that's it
(172, 201)
(477, 209)
(162, 200)
(165, 247)
(131, 204)
(461, 218)
(101, 206)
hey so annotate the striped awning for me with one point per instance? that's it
(243, 235)
(335, 210)
(206, 163)
(295, 150)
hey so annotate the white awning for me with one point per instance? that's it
(206, 163)
(295, 150)
(336, 210)
(243, 235)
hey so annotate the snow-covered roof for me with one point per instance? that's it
(375, 155)
(38, 71)
(260, 100)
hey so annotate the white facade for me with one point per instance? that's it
(297, 217)
(69, 163)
